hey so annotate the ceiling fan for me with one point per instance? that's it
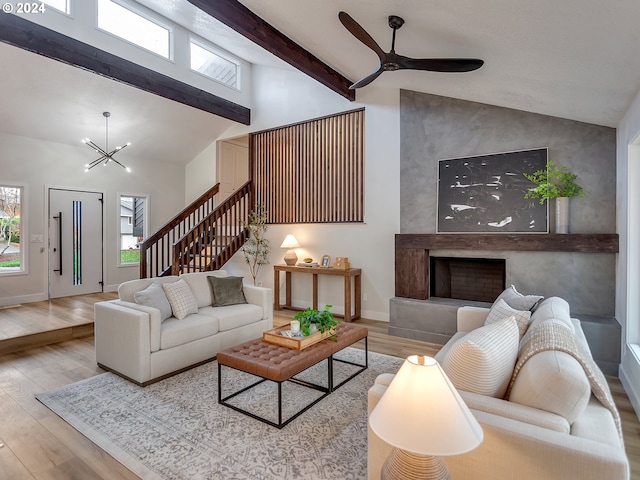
(391, 61)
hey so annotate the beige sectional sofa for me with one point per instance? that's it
(160, 326)
(551, 427)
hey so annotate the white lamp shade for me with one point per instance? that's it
(422, 413)
(290, 242)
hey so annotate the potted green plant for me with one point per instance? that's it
(555, 183)
(322, 319)
(256, 248)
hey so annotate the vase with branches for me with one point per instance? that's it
(256, 248)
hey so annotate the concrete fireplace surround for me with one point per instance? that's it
(433, 128)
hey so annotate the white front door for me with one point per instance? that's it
(75, 242)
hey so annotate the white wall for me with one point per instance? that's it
(628, 274)
(200, 174)
(40, 164)
(283, 97)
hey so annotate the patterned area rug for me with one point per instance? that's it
(175, 429)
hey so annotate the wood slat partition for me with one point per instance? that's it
(312, 172)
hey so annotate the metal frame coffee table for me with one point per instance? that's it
(280, 364)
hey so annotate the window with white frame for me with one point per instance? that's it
(12, 244)
(121, 20)
(61, 5)
(213, 64)
(132, 227)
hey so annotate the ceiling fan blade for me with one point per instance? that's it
(441, 64)
(360, 33)
(367, 80)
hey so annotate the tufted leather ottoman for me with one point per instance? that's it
(279, 364)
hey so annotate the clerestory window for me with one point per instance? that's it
(61, 5)
(214, 64)
(121, 20)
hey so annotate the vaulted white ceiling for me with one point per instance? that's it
(575, 59)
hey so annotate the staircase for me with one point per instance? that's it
(201, 237)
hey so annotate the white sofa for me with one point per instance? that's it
(133, 341)
(558, 431)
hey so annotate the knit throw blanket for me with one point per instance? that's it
(553, 336)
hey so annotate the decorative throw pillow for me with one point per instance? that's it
(180, 298)
(482, 361)
(555, 382)
(226, 291)
(501, 310)
(517, 300)
(153, 296)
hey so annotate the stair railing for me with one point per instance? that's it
(214, 240)
(156, 252)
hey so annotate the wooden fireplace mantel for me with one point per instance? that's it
(412, 251)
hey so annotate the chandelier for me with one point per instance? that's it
(106, 155)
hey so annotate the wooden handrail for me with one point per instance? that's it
(156, 250)
(186, 212)
(214, 240)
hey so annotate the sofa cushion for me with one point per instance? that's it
(552, 307)
(596, 424)
(126, 290)
(482, 361)
(180, 298)
(226, 291)
(552, 381)
(234, 316)
(517, 300)
(177, 332)
(153, 296)
(501, 309)
(200, 286)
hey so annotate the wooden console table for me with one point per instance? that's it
(347, 274)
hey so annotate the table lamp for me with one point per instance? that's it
(290, 242)
(422, 415)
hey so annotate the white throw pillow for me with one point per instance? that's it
(180, 298)
(154, 296)
(555, 382)
(552, 307)
(501, 310)
(517, 300)
(482, 361)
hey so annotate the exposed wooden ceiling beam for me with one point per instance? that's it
(238, 17)
(22, 33)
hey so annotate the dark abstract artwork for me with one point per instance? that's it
(486, 194)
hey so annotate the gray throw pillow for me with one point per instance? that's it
(153, 296)
(517, 300)
(226, 291)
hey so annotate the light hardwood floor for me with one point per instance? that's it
(37, 444)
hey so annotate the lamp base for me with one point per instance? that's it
(403, 465)
(291, 258)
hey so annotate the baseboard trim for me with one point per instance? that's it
(38, 297)
(626, 379)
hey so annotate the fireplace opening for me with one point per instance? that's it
(479, 279)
